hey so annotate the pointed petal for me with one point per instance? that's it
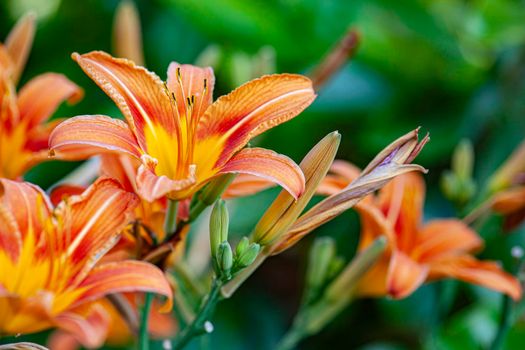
(84, 136)
(388, 164)
(41, 96)
(186, 81)
(441, 238)
(402, 202)
(140, 94)
(19, 42)
(246, 185)
(94, 221)
(151, 187)
(231, 121)
(270, 166)
(404, 275)
(484, 273)
(281, 215)
(89, 327)
(125, 276)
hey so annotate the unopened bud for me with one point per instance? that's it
(321, 254)
(249, 255)
(225, 258)
(219, 222)
(463, 160)
(243, 244)
(336, 265)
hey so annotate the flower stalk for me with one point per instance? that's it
(143, 332)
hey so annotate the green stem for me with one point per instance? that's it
(170, 222)
(290, 339)
(200, 324)
(507, 304)
(143, 332)
(504, 324)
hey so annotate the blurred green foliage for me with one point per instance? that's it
(457, 68)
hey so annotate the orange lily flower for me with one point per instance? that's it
(160, 326)
(417, 253)
(182, 139)
(50, 273)
(23, 131)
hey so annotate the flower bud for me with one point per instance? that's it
(219, 222)
(321, 254)
(463, 160)
(127, 38)
(225, 258)
(243, 244)
(249, 255)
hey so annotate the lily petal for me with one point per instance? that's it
(246, 185)
(10, 236)
(268, 165)
(19, 42)
(402, 202)
(36, 107)
(140, 94)
(441, 238)
(62, 192)
(231, 121)
(186, 81)
(90, 327)
(125, 276)
(95, 219)
(84, 136)
(151, 187)
(27, 202)
(404, 275)
(374, 225)
(484, 273)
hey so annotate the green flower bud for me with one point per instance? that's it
(463, 160)
(219, 222)
(225, 258)
(242, 246)
(321, 254)
(249, 255)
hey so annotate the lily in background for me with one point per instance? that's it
(416, 253)
(508, 186)
(51, 273)
(24, 132)
(182, 139)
